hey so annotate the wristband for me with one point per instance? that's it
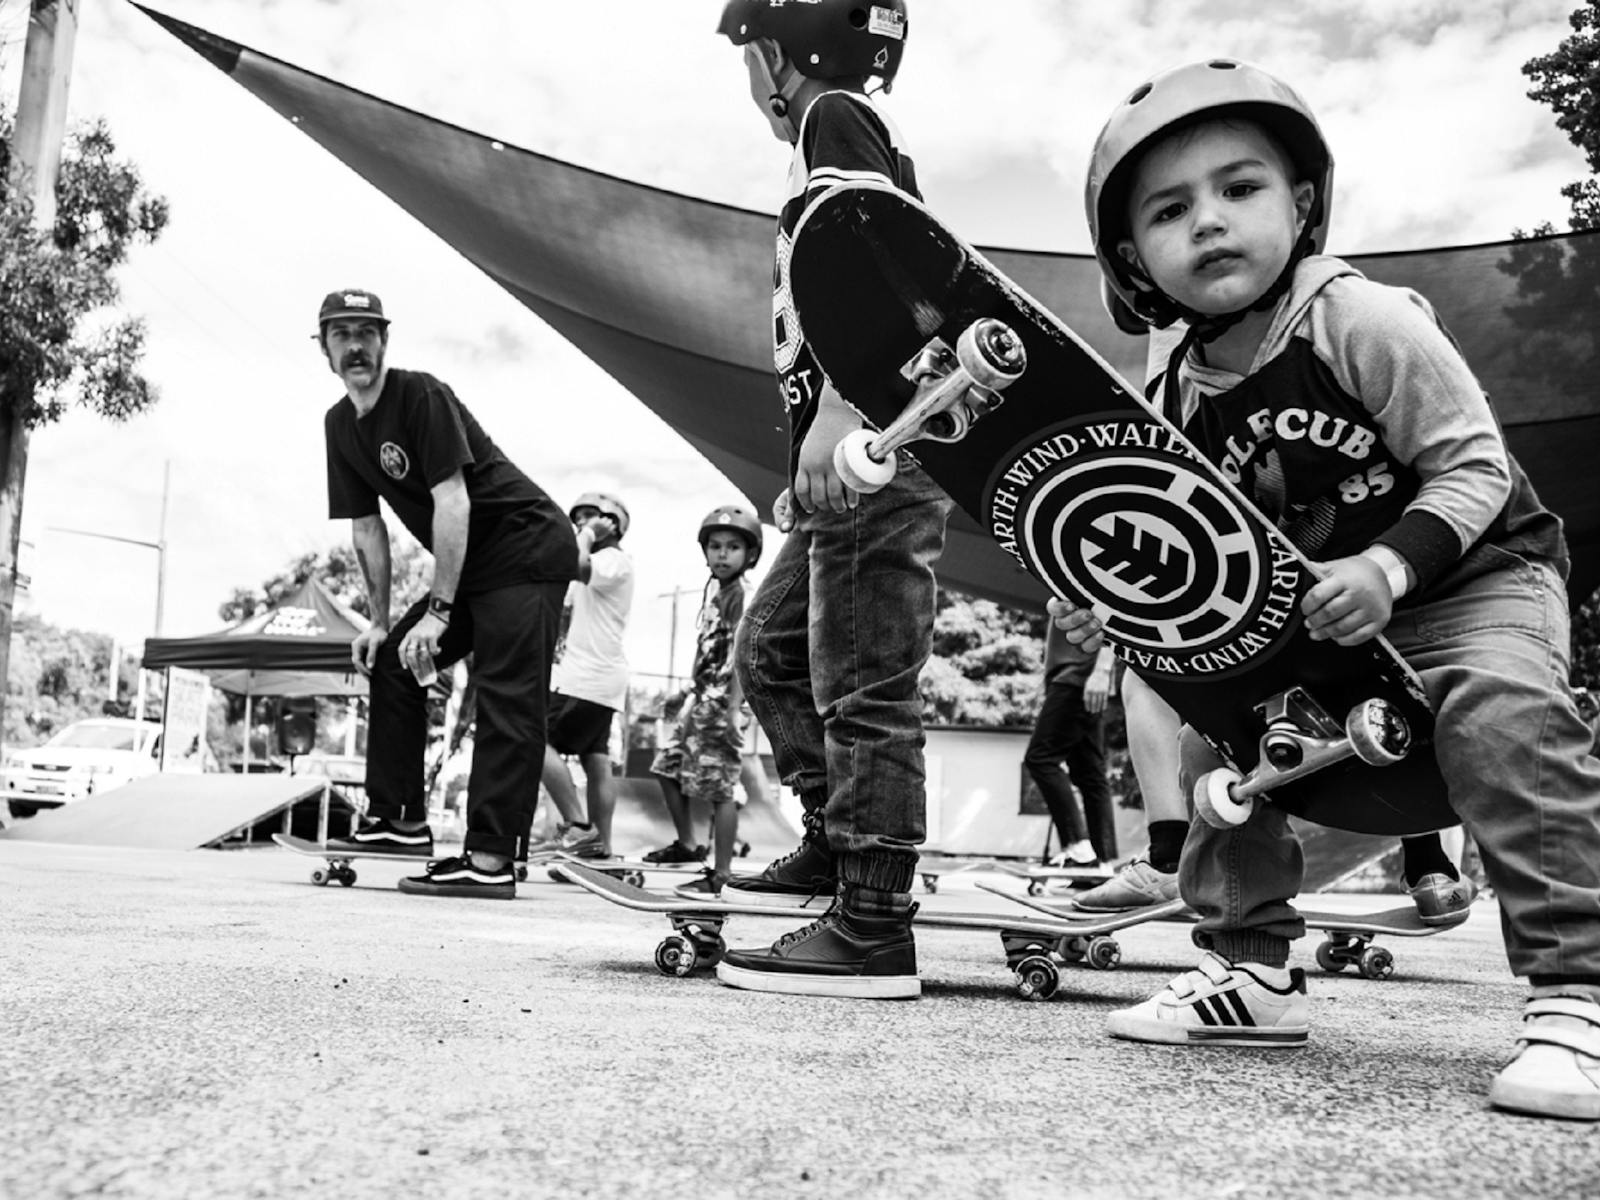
(438, 606)
(1393, 568)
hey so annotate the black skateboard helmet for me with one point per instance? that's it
(826, 39)
(738, 520)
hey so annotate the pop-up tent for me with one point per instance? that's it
(672, 296)
(298, 647)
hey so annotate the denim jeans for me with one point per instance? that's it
(829, 653)
(1492, 651)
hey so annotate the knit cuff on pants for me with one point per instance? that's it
(885, 872)
(1250, 945)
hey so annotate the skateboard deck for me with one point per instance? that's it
(629, 870)
(1040, 877)
(1094, 492)
(1348, 941)
(1034, 946)
(338, 869)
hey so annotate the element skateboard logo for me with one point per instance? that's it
(1118, 513)
(393, 460)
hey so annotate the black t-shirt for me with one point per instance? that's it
(417, 436)
(843, 139)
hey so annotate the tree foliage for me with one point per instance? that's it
(411, 570)
(1559, 280)
(59, 676)
(986, 664)
(60, 339)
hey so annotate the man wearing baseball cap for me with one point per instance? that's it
(503, 555)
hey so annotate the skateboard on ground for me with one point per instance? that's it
(1040, 877)
(629, 870)
(1093, 491)
(1034, 946)
(338, 868)
(1347, 942)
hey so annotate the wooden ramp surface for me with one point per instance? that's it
(167, 812)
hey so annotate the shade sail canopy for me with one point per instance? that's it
(671, 296)
(298, 647)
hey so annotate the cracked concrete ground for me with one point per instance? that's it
(209, 1024)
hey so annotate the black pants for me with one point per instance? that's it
(1066, 731)
(511, 634)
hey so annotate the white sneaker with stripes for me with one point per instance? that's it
(1220, 1004)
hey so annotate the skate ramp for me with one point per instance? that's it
(168, 812)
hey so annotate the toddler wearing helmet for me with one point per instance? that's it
(700, 757)
(1346, 412)
(836, 637)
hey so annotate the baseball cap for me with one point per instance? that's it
(351, 302)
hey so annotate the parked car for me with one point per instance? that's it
(86, 757)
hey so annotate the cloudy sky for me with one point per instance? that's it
(1423, 100)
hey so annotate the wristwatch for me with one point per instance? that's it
(438, 606)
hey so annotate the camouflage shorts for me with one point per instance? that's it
(701, 754)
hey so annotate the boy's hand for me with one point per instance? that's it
(816, 480)
(1351, 604)
(1081, 626)
(783, 511)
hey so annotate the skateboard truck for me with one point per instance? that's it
(954, 389)
(1301, 739)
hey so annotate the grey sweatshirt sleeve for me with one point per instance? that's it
(1386, 348)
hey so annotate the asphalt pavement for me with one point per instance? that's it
(210, 1024)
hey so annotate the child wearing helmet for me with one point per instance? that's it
(700, 757)
(836, 637)
(1346, 412)
(589, 684)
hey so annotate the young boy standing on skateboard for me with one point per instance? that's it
(1345, 411)
(590, 682)
(701, 757)
(503, 554)
(834, 640)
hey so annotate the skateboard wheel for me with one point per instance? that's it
(991, 352)
(1213, 799)
(347, 878)
(675, 956)
(1378, 732)
(1104, 953)
(633, 878)
(1377, 963)
(319, 877)
(1329, 958)
(1073, 949)
(1035, 887)
(930, 883)
(856, 466)
(1037, 978)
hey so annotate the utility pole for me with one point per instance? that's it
(35, 165)
(672, 635)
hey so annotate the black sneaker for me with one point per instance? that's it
(458, 877)
(862, 947)
(806, 877)
(379, 836)
(676, 853)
